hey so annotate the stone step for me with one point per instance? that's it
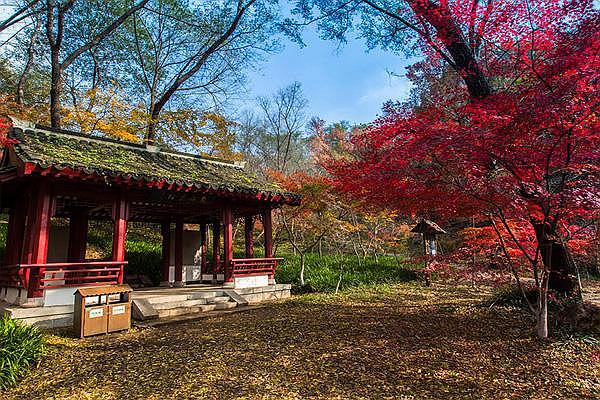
(204, 295)
(183, 297)
(166, 299)
(176, 304)
(172, 312)
(218, 299)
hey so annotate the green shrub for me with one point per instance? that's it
(20, 347)
(323, 273)
(144, 259)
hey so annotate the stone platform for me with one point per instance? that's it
(159, 303)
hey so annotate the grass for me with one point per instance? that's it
(21, 346)
(401, 341)
(322, 274)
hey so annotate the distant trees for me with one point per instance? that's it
(122, 66)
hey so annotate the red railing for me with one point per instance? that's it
(63, 274)
(254, 266)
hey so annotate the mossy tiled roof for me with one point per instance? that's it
(109, 158)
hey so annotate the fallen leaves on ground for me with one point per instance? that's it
(403, 341)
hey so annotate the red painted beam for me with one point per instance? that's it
(120, 215)
(216, 249)
(203, 249)
(228, 242)
(37, 231)
(268, 227)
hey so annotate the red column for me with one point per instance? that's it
(165, 229)
(203, 248)
(216, 249)
(78, 227)
(249, 238)
(120, 215)
(228, 243)
(179, 281)
(268, 226)
(16, 230)
(38, 230)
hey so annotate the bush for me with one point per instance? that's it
(20, 347)
(144, 259)
(323, 273)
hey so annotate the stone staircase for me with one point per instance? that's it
(161, 306)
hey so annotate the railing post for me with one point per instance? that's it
(120, 215)
(228, 242)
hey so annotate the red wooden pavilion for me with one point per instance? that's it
(55, 173)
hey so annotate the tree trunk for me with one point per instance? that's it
(542, 308)
(55, 90)
(151, 132)
(555, 258)
(462, 56)
(301, 269)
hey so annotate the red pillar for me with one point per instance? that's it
(179, 281)
(78, 227)
(120, 215)
(203, 248)
(268, 226)
(16, 230)
(249, 238)
(228, 243)
(165, 229)
(216, 249)
(38, 230)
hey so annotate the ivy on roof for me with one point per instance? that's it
(111, 158)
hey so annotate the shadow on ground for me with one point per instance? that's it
(404, 342)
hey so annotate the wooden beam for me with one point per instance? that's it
(120, 215)
(228, 242)
(268, 227)
(179, 279)
(203, 249)
(37, 232)
(165, 229)
(216, 226)
(248, 236)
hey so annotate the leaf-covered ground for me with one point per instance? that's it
(403, 341)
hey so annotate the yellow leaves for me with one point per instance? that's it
(393, 341)
(209, 131)
(104, 112)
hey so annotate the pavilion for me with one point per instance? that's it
(50, 173)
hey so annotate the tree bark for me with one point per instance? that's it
(555, 259)
(462, 55)
(302, 264)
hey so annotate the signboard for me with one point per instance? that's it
(116, 310)
(96, 312)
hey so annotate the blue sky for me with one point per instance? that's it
(344, 83)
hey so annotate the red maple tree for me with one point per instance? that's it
(516, 143)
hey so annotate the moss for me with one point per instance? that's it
(112, 158)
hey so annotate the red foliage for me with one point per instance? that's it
(527, 153)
